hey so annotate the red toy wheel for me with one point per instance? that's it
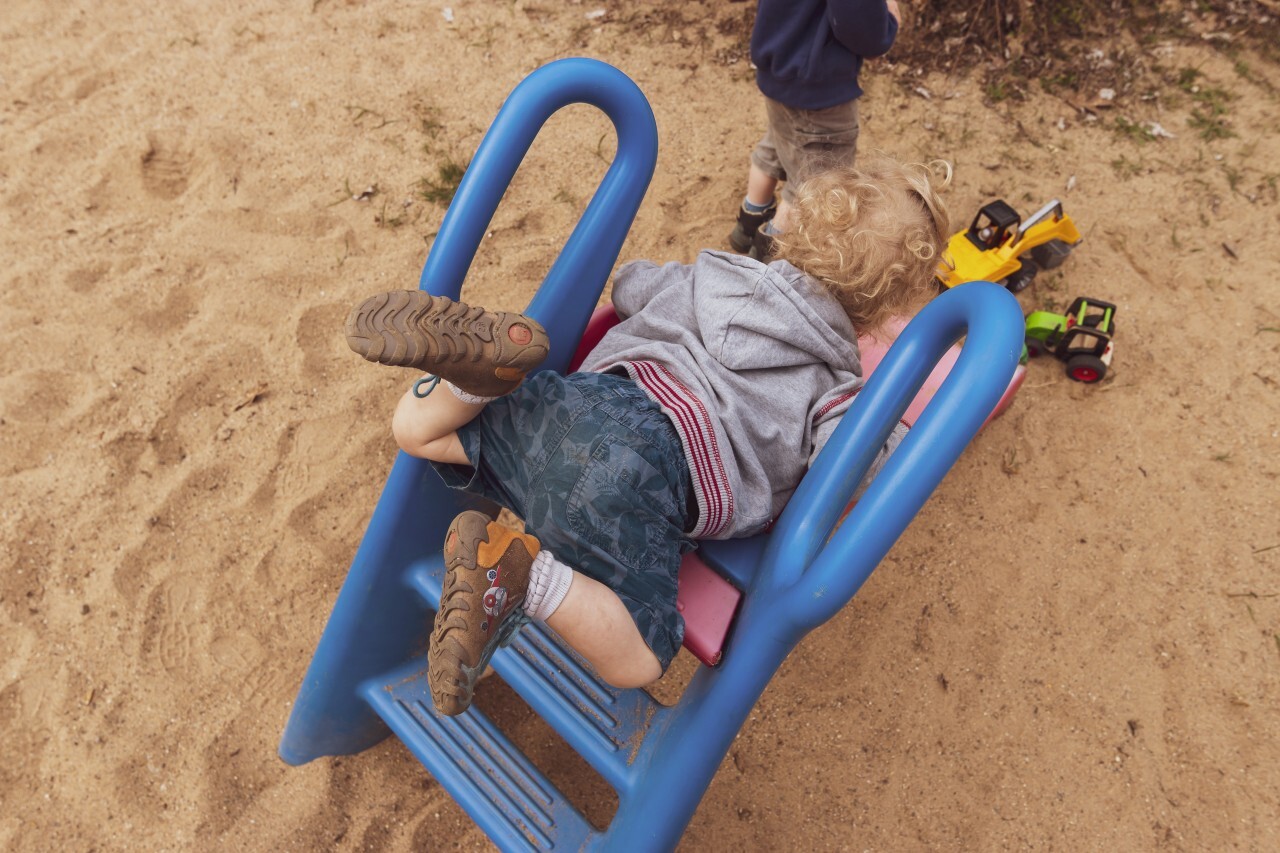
(1035, 347)
(1086, 368)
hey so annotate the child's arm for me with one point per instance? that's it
(637, 282)
(426, 427)
(828, 414)
(866, 27)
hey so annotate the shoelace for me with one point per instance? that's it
(430, 381)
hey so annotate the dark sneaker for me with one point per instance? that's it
(749, 223)
(481, 607)
(485, 353)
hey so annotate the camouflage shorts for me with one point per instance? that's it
(799, 144)
(597, 472)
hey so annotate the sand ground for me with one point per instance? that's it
(1076, 646)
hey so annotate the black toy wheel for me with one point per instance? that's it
(1023, 276)
(1049, 256)
(1035, 347)
(1086, 368)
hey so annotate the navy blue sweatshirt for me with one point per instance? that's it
(808, 52)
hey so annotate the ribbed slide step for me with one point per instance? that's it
(488, 775)
(509, 798)
(604, 724)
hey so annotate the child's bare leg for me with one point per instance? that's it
(493, 574)
(596, 624)
(760, 186)
(426, 427)
(760, 189)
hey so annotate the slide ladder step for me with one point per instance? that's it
(503, 792)
(604, 724)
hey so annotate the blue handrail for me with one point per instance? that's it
(992, 321)
(569, 292)
(375, 626)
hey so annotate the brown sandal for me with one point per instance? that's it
(486, 580)
(485, 353)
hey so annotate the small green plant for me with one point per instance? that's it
(1068, 80)
(995, 92)
(1124, 167)
(1210, 125)
(428, 120)
(383, 219)
(1233, 176)
(1069, 15)
(1132, 130)
(1245, 71)
(1208, 117)
(1269, 187)
(441, 188)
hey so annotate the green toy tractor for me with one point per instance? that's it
(1081, 337)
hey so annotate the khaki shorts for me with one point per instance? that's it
(802, 143)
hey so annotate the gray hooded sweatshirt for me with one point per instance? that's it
(753, 364)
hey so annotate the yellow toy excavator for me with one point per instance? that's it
(1000, 246)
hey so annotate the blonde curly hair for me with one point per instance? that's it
(872, 234)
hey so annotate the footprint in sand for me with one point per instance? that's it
(166, 166)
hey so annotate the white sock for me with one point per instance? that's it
(468, 398)
(549, 581)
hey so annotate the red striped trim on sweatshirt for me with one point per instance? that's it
(831, 404)
(693, 423)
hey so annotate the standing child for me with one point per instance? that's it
(807, 55)
(695, 417)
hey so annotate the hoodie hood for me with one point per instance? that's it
(742, 302)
